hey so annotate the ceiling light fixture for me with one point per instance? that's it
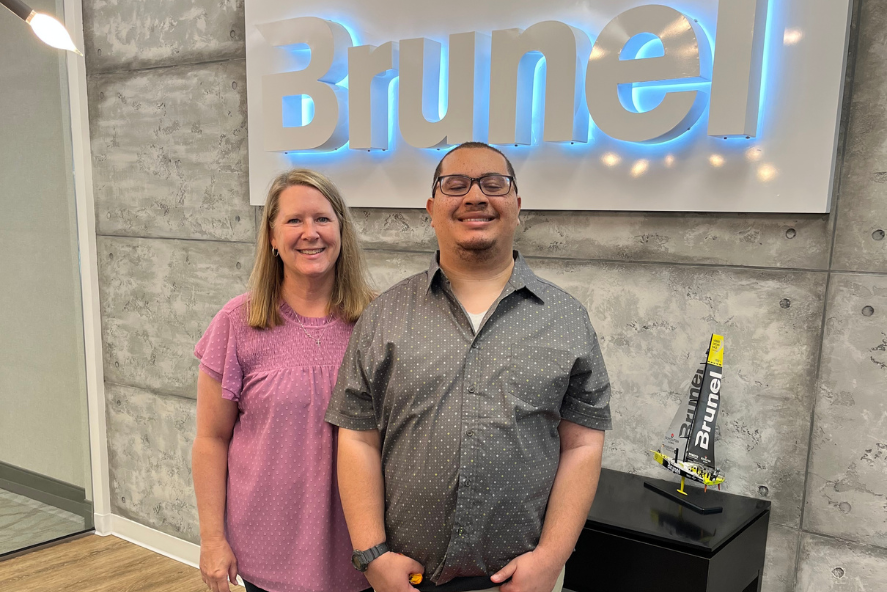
(46, 27)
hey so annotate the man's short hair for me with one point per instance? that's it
(474, 145)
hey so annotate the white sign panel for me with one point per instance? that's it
(691, 105)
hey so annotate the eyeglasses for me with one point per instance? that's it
(458, 185)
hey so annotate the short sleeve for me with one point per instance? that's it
(587, 401)
(351, 405)
(217, 352)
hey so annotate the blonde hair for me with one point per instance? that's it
(351, 290)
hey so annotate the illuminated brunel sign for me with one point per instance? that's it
(489, 97)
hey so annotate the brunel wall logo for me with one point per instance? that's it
(697, 105)
(491, 82)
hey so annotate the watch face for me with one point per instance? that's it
(356, 562)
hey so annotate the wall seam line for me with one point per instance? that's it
(196, 240)
(830, 271)
(832, 537)
(635, 262)
(90, 73)
(152, 391)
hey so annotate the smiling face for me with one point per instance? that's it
(474, 225)
(306, 232)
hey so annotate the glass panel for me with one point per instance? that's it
(45, 479)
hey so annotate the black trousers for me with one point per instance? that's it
(251, 588)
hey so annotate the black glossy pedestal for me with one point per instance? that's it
(636, 540)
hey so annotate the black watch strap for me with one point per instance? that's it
(362, 559)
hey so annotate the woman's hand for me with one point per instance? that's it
(217, 564)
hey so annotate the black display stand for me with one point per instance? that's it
(636, 540)
(693, 497)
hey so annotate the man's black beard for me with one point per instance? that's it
(476, 251)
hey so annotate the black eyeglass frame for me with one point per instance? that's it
(472, 181)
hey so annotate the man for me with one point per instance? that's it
(471, 404)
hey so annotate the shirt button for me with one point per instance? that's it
(471, 389)
(475, 346)
(469, 433)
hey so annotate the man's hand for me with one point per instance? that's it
(530, 572)
(217, 564)
(390, 572)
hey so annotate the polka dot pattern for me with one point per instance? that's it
(469, 418)
(284, 518)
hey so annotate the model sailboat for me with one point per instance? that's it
(688, 448)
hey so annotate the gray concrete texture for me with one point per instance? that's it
(149, 457)
(128, 34)
(862, 206)
(741, 239)
(654, 322)
(169, 149)
(157, 298)
(779, 565)
(847, 487)
(833, 565)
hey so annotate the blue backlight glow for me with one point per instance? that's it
(298, 110)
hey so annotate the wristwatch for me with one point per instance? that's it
(361, 559)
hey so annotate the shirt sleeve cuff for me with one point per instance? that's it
(596, 418)
(211, 372)
(359, 424)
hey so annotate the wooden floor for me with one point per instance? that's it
(98, 564)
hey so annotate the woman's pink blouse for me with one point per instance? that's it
(284, 518)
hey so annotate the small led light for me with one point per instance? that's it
(754, 154)
(669, 160)
(716, 160)
(639, 168)
(791, 36)
(766, 172)
(611, 159)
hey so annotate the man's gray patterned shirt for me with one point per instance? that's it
(470, 444)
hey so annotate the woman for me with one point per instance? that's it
(263, 458)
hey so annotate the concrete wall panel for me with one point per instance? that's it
(847, 488)
(654, 323)
(130, 34)
(158, 297)
(389, 267)
(862, 205)
(750, 240)
(779, 565)
(149, 457)
(395, 229)
(832, 565)
(759, 241)
(169, 152)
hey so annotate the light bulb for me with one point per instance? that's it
(52, 32)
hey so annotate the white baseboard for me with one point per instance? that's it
(153, 540)
(102, 524)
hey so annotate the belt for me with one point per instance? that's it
(459, 585)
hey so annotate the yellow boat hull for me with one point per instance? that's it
(689, 470)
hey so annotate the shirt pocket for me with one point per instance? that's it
(539, 375)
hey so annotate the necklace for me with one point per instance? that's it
(310, 336)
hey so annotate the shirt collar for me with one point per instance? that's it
(521, 276)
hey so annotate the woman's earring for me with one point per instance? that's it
(275, 252)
